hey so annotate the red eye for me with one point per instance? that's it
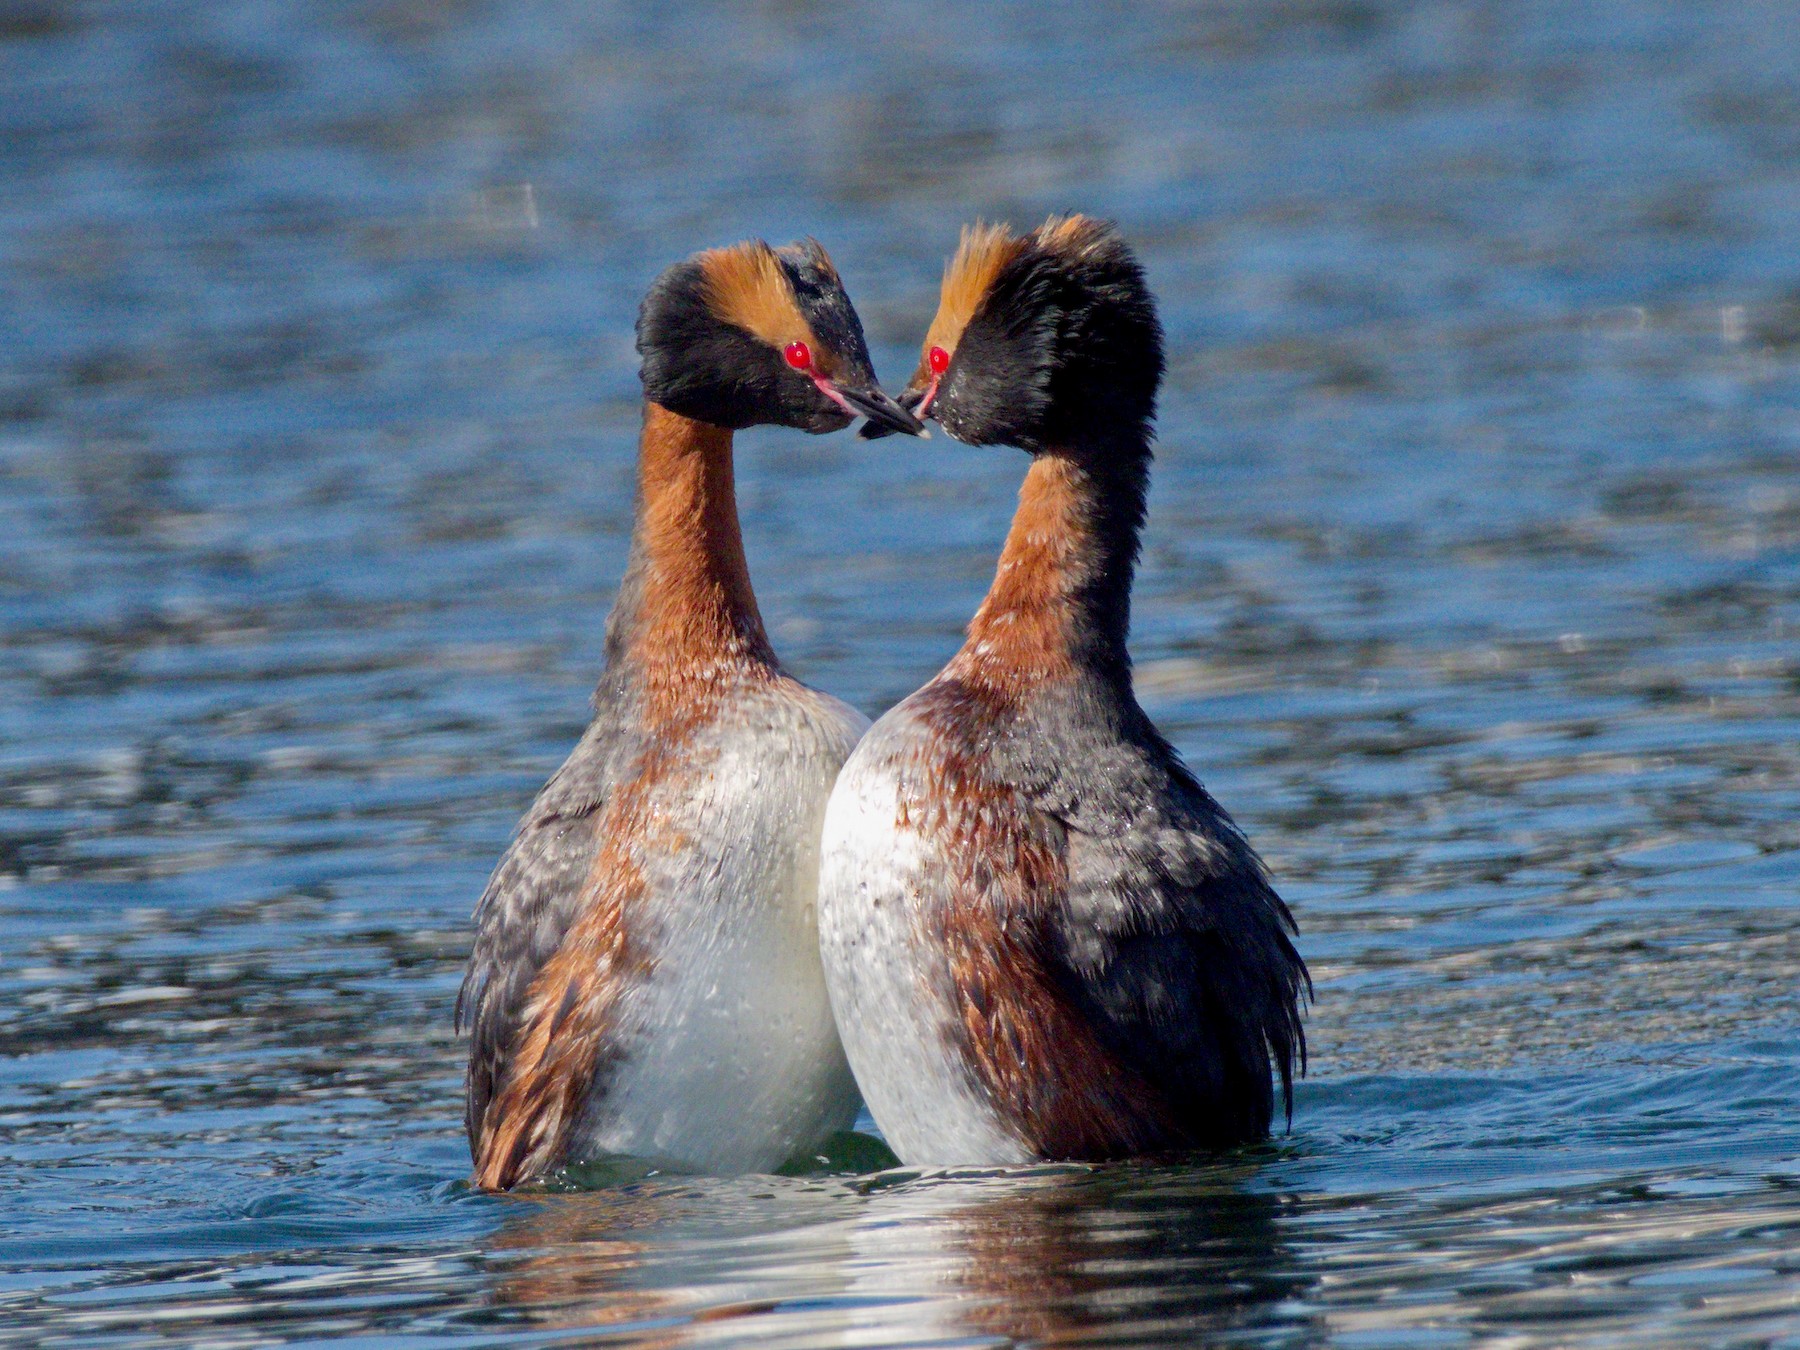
(938, 359)
(799, 355)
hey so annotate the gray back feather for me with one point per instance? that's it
(537, 890)
(1172, 940)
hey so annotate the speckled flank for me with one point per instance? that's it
(1013, 1026)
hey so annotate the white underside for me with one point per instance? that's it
(732, 1059)
(873, 877)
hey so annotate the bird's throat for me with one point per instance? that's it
(686, 603)
(1061, 598)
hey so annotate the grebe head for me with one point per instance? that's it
(1047, 340)
(749, 334)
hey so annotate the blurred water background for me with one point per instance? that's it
(1472, 586)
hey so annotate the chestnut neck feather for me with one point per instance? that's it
(685, 606)
(1060, 604)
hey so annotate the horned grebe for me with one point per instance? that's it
(1042, 937)
(645, 977)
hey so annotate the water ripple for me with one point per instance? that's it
(1472, 585)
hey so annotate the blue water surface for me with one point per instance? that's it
(1471, 585)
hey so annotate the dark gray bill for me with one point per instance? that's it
(875, 428)
(885, 416)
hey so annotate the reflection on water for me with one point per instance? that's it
(1058, 1259)
(1472, 584)
(1043, 1256)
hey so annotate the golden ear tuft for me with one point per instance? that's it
(1071, 235)
(746, 286)
(983, 251)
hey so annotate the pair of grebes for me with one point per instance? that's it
(1006, 916)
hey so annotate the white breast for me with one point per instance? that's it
(733, 1060)
(876, 879)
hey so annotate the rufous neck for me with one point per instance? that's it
(1060, 604)
(686, 602)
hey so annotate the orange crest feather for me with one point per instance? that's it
(1071, 235)
(746, 286)
(983, 251)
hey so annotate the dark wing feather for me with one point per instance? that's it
(533, 897)
(1171, 939)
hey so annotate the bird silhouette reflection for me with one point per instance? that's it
(1045, 1255)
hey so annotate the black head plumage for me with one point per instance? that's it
(1061, 346)
(751, 335)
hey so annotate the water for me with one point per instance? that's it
(1472, 585)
